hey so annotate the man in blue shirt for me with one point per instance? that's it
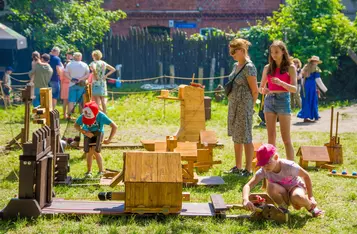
(91, 124)
(55, 63)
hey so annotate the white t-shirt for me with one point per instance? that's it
(76, 69)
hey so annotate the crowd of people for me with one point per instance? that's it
(68, 80)
(288, 182)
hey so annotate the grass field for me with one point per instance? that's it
(143, 117)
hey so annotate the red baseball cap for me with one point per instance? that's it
(90, 112)
(264, 153)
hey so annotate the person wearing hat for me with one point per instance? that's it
(6, 85)
(288, 183)
(91, 124)
(309, 100)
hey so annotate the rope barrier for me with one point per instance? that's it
(22, 81)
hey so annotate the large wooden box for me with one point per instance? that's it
(153, 182)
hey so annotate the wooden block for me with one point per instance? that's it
(160, 146)
(186, 149)
(117, 179)
(218, 203)
(118, 196)
(314, 153)
(208, 137)
(186, 196)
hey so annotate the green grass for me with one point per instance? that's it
(143, 117)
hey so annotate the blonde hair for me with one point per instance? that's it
(97, 54)
(296, 60)
(309, 68)
(285, 62)
(77, 55)
(239, 44)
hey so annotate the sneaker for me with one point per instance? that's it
(234, 170)
(316, 212)
(88, 175)
(100, 173)
(245, 173)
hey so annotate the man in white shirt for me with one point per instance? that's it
(78, 72)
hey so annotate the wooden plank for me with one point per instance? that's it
(218, 203)
(315, 153)
(169, 169)
(340, 175)
(186, 149)
(149, 166)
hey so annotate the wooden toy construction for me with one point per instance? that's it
(192, 117)
(265, 208)
(193, 157)
(333, 146)
(344, 173)
(318, 154)
(42, 112)
(35, 177)
(23, 136)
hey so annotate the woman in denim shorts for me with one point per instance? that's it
(280, 75)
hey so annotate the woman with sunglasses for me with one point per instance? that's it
(241, 102)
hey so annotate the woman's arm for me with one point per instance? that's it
(253, 85)
(290, 87)
(264, 82)
(111, 71)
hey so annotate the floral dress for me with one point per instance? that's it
(240, 105)
(99, 83)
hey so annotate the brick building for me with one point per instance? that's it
(190, 15)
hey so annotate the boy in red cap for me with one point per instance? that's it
(91, 124)
(285, 185)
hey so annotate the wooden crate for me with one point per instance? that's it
(153, 182)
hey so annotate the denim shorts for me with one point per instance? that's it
(55, 85)
(75, 93)
(278, 103)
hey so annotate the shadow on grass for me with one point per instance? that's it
(12, 176)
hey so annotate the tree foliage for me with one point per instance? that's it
(67, 24)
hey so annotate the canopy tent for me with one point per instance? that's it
(9, 39)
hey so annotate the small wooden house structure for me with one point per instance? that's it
(153, 182)
(318, 154)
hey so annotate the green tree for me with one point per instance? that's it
(314, 27)
(67, 24)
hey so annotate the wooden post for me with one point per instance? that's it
(221, 81)
(200, 75)
(161, 73)
(212, 72)
(172, 74)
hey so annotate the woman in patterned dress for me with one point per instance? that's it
(99, 83)
(241, 102)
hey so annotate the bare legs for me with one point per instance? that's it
(284, 130)
(248, 151)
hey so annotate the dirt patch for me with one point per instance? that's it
(347, 121)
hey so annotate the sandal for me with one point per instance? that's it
(316, 212)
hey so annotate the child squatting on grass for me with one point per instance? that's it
(92, 122)
(285, 185)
